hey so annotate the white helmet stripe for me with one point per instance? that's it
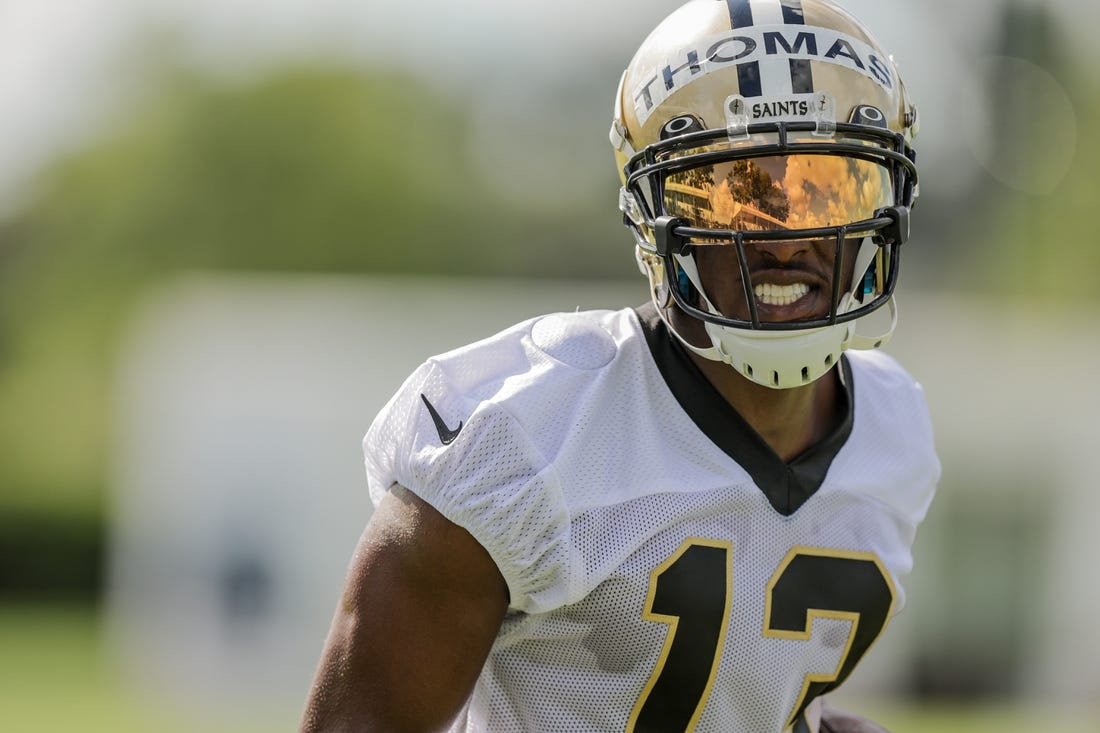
(775, 72)
(775, 77)
(802, 77)
(767, 12)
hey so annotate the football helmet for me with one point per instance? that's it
(764, 149)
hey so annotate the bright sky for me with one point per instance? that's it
(65, 65)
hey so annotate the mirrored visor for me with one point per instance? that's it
(779, 192)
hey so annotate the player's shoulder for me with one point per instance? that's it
(544, 360)
(570, 342)
(888, 398)
(880, 370)
(891, 452)
(884, 388)
(510, 394)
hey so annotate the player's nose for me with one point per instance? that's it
(783, 253)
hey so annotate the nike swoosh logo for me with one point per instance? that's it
(446, 435)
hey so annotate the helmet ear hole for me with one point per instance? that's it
(868, 114)
(681, 125)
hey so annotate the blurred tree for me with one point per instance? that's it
(307, 169)
(1030, 224)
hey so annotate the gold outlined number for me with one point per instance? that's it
(813, 583)
(695, 586)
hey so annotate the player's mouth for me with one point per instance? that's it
(782, 295)
(792, 301)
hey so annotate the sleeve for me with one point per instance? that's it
(491, 480)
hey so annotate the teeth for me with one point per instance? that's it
(772, 294)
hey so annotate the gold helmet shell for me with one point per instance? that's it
(708, 50)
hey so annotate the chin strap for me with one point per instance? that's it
(867, 252)
(715, 352)
(687, 264)
(711, 352)
(873, 342)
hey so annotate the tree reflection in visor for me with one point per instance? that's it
(779, 192)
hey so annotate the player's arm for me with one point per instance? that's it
(421, 606)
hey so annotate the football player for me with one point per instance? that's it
(694, 515)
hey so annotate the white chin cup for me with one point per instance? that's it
(780, 359)
(785, 359)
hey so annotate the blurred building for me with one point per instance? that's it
(240, 492)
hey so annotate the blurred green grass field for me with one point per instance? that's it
(56, 675)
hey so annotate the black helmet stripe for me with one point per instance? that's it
(748, 74)
(792, 13)
(802, 76)
(740, 13)
(749, 77)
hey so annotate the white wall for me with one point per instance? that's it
(239, 491)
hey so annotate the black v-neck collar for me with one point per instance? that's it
(786, 485)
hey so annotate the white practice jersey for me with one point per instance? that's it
(667, 571)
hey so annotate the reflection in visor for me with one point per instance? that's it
(779, 192)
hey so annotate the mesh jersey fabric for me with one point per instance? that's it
(592, 489)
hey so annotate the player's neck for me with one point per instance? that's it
(789, 420)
